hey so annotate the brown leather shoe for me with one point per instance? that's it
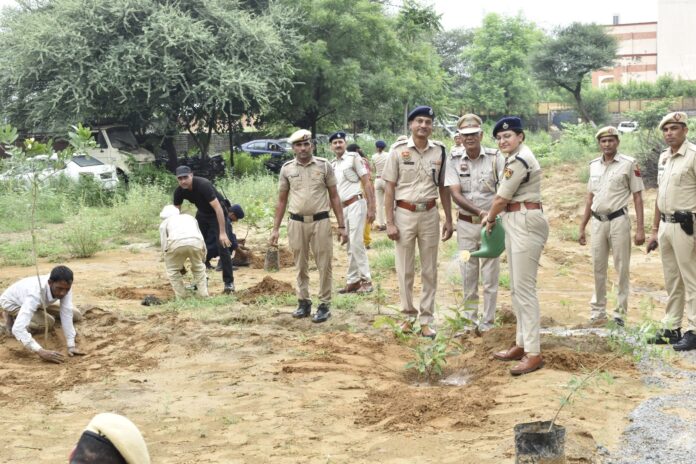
(351, 288)
(427, 332)
(514, 353)
(365, 287)
(406, 327)
(528, 364)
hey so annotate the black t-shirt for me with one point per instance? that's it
(201, 194)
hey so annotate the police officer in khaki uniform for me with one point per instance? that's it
(358, 209)
(472, 176)
(673, 230)
(526, 231)
(308, 184)
(614, 178)
(379, 159)
(414, 176)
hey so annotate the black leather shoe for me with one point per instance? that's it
(666, 336)
(322, 314)
(687, 343)
(229, 288)
(304, 309)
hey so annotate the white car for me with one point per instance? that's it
(45, 168)
(627, 126)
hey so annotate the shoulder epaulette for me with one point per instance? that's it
(437, 142)
(490, 151)
(287, 162)
(400, 142)
(319, 158)
(627, 158)
(595, 160)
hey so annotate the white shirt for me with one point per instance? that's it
(180, 230)
(25, 296)
(349, 169)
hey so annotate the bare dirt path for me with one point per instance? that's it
(246, 383)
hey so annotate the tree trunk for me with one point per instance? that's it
(230, 133)
(581, 108)
(406, 118)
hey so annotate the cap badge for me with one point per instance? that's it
(505, 125)
(677, 116)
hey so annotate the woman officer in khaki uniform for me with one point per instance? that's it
(526, 231)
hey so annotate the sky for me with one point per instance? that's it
(546, 14)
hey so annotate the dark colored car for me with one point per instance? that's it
(267, 147)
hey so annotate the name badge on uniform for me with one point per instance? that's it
(409, 162)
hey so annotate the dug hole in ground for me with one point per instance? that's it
(244, 382)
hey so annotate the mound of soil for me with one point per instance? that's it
(268, 286)
(163, 292)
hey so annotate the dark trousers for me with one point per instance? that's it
(211, 233)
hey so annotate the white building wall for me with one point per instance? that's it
(676, 38)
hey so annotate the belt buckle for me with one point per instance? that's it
(475, 219)
(307, 218)
(604, 217)
(420, 207)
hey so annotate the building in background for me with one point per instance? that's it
(649, 50)
(676, 38)
(636, 58)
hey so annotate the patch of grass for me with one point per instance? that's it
(347, 302)
(257, 194)
(18, 253)
(283, 299)
(384, 260)
(504, 280)
(382, 244)
(82, 235)
(568, 233)
(138, 211)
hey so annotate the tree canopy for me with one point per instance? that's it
(496, 63)
(567, 58)
(139, 61)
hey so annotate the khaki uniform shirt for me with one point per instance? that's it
(180, 230)
(676, 179)
(613, 183)
(413, 171)
(478, 178)
(522, 177)
(348, 171)
(379, 160)
(308, 185)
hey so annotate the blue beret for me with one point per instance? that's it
(507, 123)
(421, 111)
(380, 144)
(337, 135)
(237, 211)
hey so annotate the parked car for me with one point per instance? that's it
(117, 145)
(271, 147)
(627, 126)
(45, 168)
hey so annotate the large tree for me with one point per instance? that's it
(566, 59)
(189, 63)
(358, 64)
(497, 65)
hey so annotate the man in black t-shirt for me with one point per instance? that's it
(211, 217)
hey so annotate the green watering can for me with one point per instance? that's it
(493, 244)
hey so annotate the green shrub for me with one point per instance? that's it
(247, 165)
(138, 211)
(82, 235)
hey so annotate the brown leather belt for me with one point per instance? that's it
(513, 207)
(471, 219)
(416, 207)
(352, 200)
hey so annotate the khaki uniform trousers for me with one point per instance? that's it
(469, 238)
(526, 232)
(678, 253)
(422, 228)
(38, 323)
(303, 236)
(614, 235)
(358, 264)
(380, 217)
(175, 259)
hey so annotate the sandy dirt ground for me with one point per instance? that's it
(249, 384)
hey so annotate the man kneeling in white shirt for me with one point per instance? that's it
(20, 302)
